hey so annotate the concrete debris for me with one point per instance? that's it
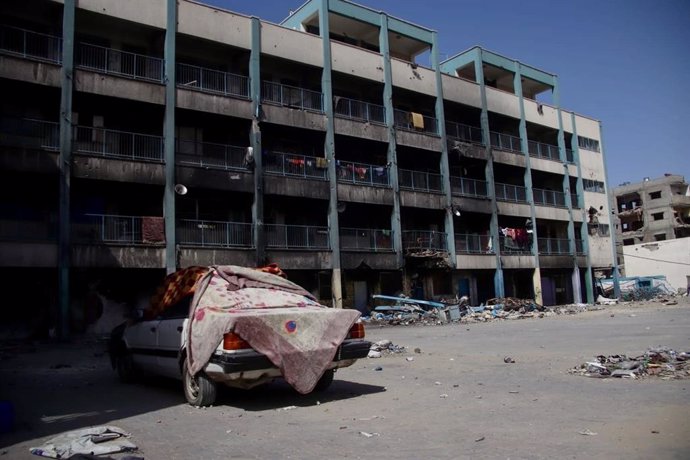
(601, 300)
(368, 435)
(374, 354)
(378, 349)
(588, 433)
(508, 360)
(661, 362)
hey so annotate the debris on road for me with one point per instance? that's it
(588, 433)
(508, 360)
(286, 408)
(662, 362)
(480, 439)
(382, 347)
(368, 435)
(96, 440)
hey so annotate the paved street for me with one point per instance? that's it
(456, 399)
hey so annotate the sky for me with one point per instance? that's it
(623, 62)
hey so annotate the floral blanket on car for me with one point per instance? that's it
(276, 317)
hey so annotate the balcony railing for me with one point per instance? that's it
(542, 150)
(120, 63)
(359, 110)
(569, 156)
(116, 229)
(508, 192)
(472, 243)
(463, 186)
(579, 247)
(416, 122)
(510, 246)
(211, 233)
(424, 240)
(366, 239)
(118, 144)
(291, 96)
(464, 132)
(30, 45)
(362, 174)
(505, 142)
(208, 155)
(44, 230)
(29, 133)
(287, 164)
(212, 81)
(549, 198)
(296, 237)
(420, 181)
(574, 200)
(553, 246)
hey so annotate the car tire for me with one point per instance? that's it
(325, 381)
(126, 369)
(199, 389)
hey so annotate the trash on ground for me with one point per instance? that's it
(508, 360)
(382, 347)
(588, 433)
(661, 362)
(601, 300)
(368, 435)
(287, 408)
(96, 440)
(479, 439)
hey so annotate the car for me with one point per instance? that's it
(249, 350)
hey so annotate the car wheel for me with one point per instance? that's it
(126, 369)
(199, 389)
(325, 380)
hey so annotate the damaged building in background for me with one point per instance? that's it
(142, 136)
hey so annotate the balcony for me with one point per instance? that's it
(303, 237)
(209, 155)
(579, 247)
(549, 198)
(553, 246)
(465, 133)
(569, 156)
(516, 246)
(359, 110)
(28, 230)
(212, 81)
(424, 240)
(472, 243)
(119, 230)
(366, 240)
(215, 234)
(30, 134)
(463, 186)
(120, 63)
(508, 192)
(574, 200)
(419, 181)
(291, 96)
(30, 45)
(289, 165)
(415, 122)
(505, 142)
(362, 174)
(542, 150)
(121, 145)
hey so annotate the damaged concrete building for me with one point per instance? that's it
(142, 136)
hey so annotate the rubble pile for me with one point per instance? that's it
(662, 362)
(384, 347)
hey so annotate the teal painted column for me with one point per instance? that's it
(499, 284)
(329, 149)
(444, 167)
(612, 230)
(584, 231)
(65, 166)
(536, 278)
(255, 142)
(169, 138)
(396, 225)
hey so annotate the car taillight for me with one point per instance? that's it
(232, 341)
(356, 331)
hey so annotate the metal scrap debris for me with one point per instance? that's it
(662, 362)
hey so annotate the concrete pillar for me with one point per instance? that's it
(169, 137)
(255, 142)
(612, 229)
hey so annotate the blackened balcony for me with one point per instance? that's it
(505, 142)
(359, 110)
(362, 174)
(290, 165)
(463, 186)
(215, 234)
(44, 230)
(121, 63)
(366, 240)
(303, 237)
(415, 122)
(472, 243)
(30, 45)
(119, 230)
(549, 198)
(420, 240)
(212, 81)
(118, 144)
(291, 96)
(542, 150)
(419, 181)
(464, 132)
(516, 244)
(210, 155)
(508, 192)
(553, 246)
(29, 133)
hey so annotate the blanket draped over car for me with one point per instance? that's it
(276, 317)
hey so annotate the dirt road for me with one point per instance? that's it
(457, 398)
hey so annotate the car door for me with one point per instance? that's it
(141, 343)
(169, 337)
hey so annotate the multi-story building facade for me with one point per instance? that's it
(356, 169)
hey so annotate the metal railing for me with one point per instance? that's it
(118, 144)
(505, 142)
(548, 197)
(362, 174)
(29, 44)
(464, 132)
(569, 156)
(115, 229)
(120, 63)
(44, 230)
(287, 164)
(424, 240)
(291, 96)
(212, 81)
(574, 201)
(420, 181)
(212, 233)
(296, 237)
(416, 122)
(542, 150)
(366, 239)
(472, 243)
(579, 247)
(29, 133)
(510, 246)
(359, 110)
(508, 192)
(209, 155)
(463, 186)
(553, 246)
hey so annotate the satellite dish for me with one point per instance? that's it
(180, 189)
